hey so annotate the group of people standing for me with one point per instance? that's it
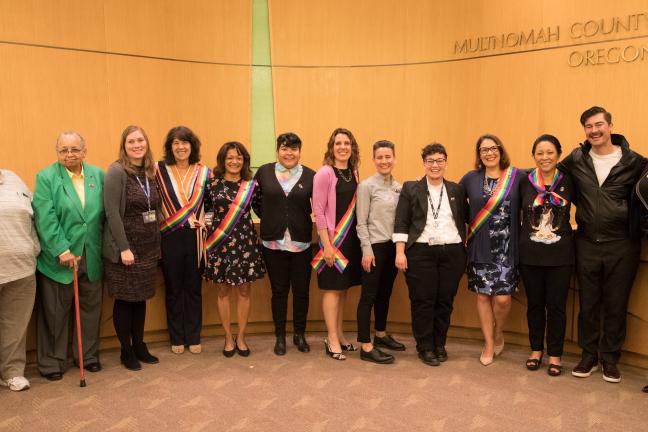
(496, 224)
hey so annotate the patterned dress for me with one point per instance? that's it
(237, 259)
(501, 276)
(137, 282)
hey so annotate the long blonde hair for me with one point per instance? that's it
(124, 161)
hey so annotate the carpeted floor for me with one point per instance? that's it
(310, 392)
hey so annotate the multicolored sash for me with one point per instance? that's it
(537, 182)
(341, 231)
(236, 210)
(178, 217)
(502, 190)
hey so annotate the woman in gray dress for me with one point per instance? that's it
(131, 242)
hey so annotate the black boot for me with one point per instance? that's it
(129, 360)
(299, 339)
(280, 346)
(142, 353)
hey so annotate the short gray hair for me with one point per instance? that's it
(71, 133)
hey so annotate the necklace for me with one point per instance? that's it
(487, 189)
(341, 172)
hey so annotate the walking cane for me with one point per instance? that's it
(82, 382)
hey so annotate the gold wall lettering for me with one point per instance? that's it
(579, 32)
(613, 55)
(508, 40)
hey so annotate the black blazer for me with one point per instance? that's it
(278, 211)
(411, 212)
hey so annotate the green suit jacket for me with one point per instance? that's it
(62, 223)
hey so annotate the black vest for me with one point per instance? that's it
(279, 211)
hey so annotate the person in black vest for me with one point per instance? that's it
(286, 187)
(429, 232)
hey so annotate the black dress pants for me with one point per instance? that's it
(546, 289)
(433, 275)
(376, 290)
(605, 274)
(183, 282)
(286, 270)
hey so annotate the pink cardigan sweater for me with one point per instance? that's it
(324, 199)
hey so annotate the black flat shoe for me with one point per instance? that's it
(331, 353)
(554, 370)
(429, 358)
(299, 340)
(645, 389)
(388, 342)
(53, 376)
(129, 360)
(534, 364)
(90, 367)
(441, 354)
(349, 347)
(280, 346)
(142, 353)
(243, 352)
(231, 352)
(376, 356)
(93, 367)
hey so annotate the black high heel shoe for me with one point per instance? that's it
(348, 347)
(229, 353)
(330, 353)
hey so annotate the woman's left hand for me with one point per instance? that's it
(368, 262)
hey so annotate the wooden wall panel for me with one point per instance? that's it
(381, 68)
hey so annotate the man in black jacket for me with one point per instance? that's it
(604, 170)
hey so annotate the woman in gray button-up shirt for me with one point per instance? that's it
(375, 210)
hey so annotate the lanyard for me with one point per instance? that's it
(435, 213)
(146, 190)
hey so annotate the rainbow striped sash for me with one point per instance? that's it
(502, 190)
(341, 231)
(236, 210)
(178, 217)
(554, 198)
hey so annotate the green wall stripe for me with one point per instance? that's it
(262, 111)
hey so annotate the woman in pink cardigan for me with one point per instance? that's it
(338, 261)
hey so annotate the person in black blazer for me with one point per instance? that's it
(430, 232)
(286, 189)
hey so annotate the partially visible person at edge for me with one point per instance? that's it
(19, 248)
(493, 195)
(546, 252)
(338, 260)
(641, 189)
(430, 232)
(234, 260)
(605, 172)
(181, 181)
(286, 188)
(375, 211)
(131, 247)
(69, 217)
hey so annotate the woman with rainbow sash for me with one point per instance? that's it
(492, 239)
(233, 251)
(181, 181)
(546, 252)
(338, 261)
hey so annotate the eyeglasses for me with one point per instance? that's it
(432, 162)
(73, 151)
(485, 150)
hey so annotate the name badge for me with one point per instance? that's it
(149, 216)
